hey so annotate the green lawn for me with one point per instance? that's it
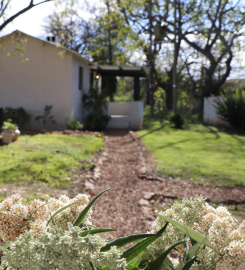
(45, 157)
(200, 153)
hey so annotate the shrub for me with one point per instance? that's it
(19, 116)
(95, 102)
(96, 122)
(9, 125)
(231, 108)
(46, 119)
(59, 235)
(73, 124)
(160, 103)
(177, 119)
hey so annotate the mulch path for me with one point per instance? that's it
(138, 194)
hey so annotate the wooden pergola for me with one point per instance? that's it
(121, 71)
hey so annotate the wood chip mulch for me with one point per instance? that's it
(138, 194)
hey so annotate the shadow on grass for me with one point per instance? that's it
(154, 130)
(171, 144)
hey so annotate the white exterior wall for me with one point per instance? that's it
(126, 115)
(78, 111)
(210, 116)
(46, 79)
(118, 108)
(136, 114)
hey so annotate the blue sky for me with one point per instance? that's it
(30, 22)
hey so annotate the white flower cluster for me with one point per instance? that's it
(188, 212)
(226, 236)
(16, 218)
(55, 249)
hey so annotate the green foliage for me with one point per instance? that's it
(96, 122)
(96, 231)
(196, 236)
(148, 254)
(177, 119)
(47, 158)
(95, 103)
(123, 241)
(19, 116)
(109, 86)
(160, 103)
(46, 119)
(73, 124)
(9, 125)
(231, 108)
(82, 215)
(139, 247)
(199, 153)
(110, 44)
(159, 262)
(124, 90)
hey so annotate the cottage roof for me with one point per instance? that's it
(127, 71)
(106, 70)
(51, 43)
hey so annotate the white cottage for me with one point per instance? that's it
(51, 76)
(57, 76)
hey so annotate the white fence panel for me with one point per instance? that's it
(210, 115)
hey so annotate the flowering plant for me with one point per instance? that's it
(59, 235)
(9, 125)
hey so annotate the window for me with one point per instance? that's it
(80, 79)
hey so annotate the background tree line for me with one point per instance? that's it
(209, 40)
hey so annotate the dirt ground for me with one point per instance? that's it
(137, 192)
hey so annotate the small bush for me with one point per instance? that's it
(96, 122)
(160, 103)
(8, 125)
(73, 124)
(19, 116)
(46, 119)
(177, 119)
(231, 108)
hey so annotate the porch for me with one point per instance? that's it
(125, 115)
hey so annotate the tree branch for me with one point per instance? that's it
(30, 6)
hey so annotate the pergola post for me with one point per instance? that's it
(136, 88)
(92, 78)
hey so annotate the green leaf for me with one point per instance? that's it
(82, 215)
(167, 264)
(157, 264)
(193, 242)
(123, 241)
(34, 211)
(135, 262)
(133, 265)
(51, 218)
(28, 219)
(133, 251)
(200, 238)
(96, 231)
(60, 210)
(188, 265)
(192, 251)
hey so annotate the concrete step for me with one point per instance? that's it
(118, 121)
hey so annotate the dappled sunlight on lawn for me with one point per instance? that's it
(198, 152)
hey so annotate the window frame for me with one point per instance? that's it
(80, 78)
